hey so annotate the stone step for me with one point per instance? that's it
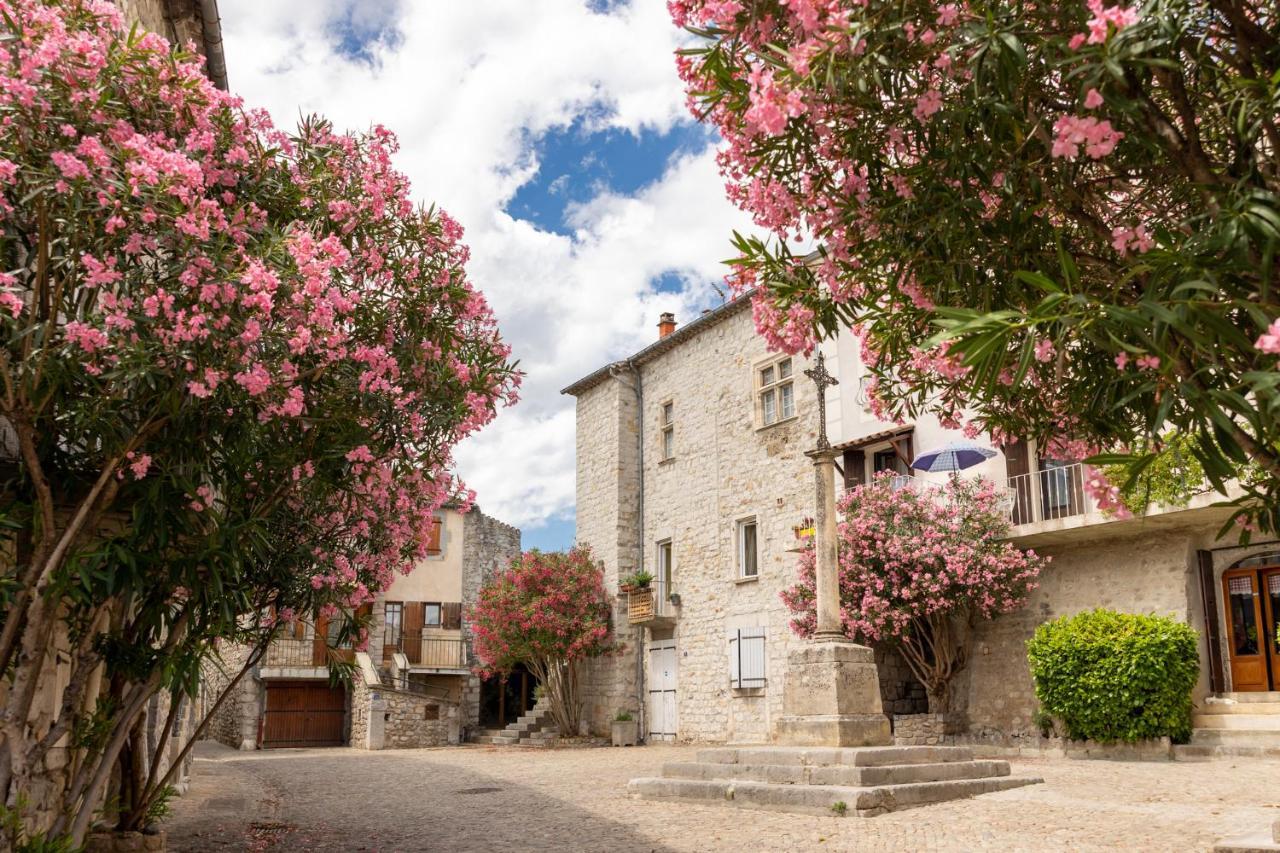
(1235, 737)
(1242, 722)
(1195, 751)
(1257, 696)
(864, 756)
(1231, 707)
(819, 799)
(504, 740)
(791, 774)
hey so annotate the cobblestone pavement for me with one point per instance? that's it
(502, 798)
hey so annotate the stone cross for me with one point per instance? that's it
(818, 373)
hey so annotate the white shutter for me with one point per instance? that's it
(746, 658)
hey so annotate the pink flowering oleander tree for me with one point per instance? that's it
(234, 361)
(1058, 218)
(549, 612)
(919, 567)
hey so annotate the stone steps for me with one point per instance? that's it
(820, 799)
(1240, 722)
(1235, 737)
(784, 774)
(1235, 721)
(868, 780)
(530, 729)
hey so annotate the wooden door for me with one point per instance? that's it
(1246, 638)
(320, 642)
(662, 690)
(304, 713)
(1271, 621)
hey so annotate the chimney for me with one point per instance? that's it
(666, 325)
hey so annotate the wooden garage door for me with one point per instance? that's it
(304, 713)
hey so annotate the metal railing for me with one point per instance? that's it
(408, 685)
(662, 605)
(1048, 494)
(434, 652)
(290, 651)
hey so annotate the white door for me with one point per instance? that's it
(662, 690)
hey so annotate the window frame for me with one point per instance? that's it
(665, 573)
(773, 388)
(740, 547)
(426, 611)
(399, 609)
(667, 430)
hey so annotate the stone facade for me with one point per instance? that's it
(488, 545)
(235, 723)
(382, 718)
(182, 22)
(926, 729)
(727, 466)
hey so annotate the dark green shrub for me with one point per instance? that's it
(1116, 676)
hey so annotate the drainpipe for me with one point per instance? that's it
(638, 389)
(215, 60)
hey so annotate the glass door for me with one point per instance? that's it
(1271, 615)
(1246, 637)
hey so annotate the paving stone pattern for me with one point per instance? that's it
(503, 798)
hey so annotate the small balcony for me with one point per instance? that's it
(1049, 494)
(289, 656)
(651, 606)
(429, 652)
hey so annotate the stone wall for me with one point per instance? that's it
(179, 21)
(488, 546)
(900, 690)
(382, 718)
(607, 513)
(1151, 573)
(236, 722)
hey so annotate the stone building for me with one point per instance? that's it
(691, 466)
(413, 685)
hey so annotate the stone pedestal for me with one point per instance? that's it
(832, 697)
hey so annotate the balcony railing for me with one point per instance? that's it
(432, 652)
(291, 651)
(1048, 494)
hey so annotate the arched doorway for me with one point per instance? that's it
(1251, 599)
(504, 698)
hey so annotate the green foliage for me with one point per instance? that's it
(623, 716)
(159, 808)
(14, 834)
(1112, 676)
(1170, 474)
(839, 808)
(640, 579)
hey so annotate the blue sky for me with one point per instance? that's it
(556, 132)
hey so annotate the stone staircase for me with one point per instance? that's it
(867, 780)
(533, 729)
(1237, 724)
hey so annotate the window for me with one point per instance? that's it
(776, 392)
(663, 578)
(394, 619)
(746, 658)
(668, 431)
(888, 460)
(431, 615)
(748, 549)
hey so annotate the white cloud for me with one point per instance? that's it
(467, 87)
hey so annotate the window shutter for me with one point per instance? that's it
(451, 615)
(413, 618)
(433, 543)
(855, 468)
(746, 658)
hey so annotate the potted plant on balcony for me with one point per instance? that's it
(635, 581)
(626, 730)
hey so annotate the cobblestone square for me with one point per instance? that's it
(496, 798)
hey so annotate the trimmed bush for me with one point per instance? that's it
(1112, 676)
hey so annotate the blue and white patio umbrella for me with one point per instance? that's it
(956, 456)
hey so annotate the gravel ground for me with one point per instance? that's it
(502, 798)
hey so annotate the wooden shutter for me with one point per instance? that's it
(855, 468)
(320, 643)
(1017, 465)
(414, 614)
(451, 615)
(1212, 634)
(433, 543)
